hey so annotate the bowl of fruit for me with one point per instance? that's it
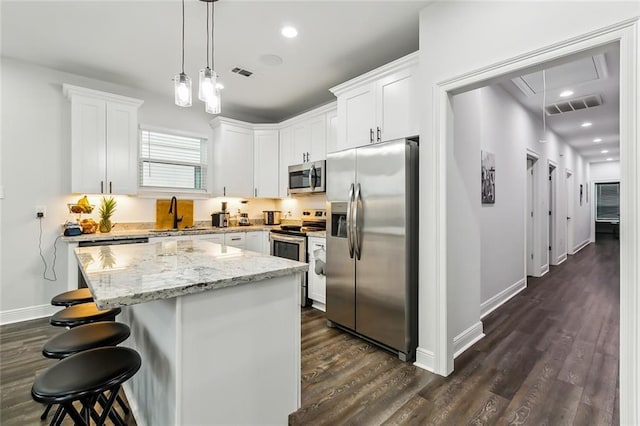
(82, 206)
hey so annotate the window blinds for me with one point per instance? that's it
(172, 161)
(608, 201)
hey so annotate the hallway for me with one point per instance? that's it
(550, 355)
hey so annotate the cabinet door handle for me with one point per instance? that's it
(224, 191)
(370, 135)
(307, 156)
(110, 188)
(255, 192)
(102, 187)
(379, 133)
(235, 239)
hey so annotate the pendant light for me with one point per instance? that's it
(206, 80)
(182, 82)
(543, 139)
(213, 103)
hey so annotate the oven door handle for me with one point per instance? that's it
(350, 222)
(279, 237)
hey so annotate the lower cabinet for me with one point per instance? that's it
(214, 238)
(316, 279)
(235, 239)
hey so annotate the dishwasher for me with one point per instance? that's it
(116, 241)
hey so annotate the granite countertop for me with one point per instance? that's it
(135, 233)
(317, 234)
(136, 273)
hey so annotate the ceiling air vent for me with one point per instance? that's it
(574, 105)
(242, 71)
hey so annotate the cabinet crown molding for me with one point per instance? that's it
(373, 75)
(331, 106)
(70, 91)
(217, 121)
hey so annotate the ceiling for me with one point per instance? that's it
(137, 44)
(595, 75)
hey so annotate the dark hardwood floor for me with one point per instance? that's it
(550, 356)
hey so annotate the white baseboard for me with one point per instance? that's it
(133, 405)
(467, 338)
(560, 259)
(319, 306)
(424, 359)
(25, 314)
(499, 299)
(544, 269)
(580, 246)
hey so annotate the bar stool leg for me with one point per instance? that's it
(45, 413)
(57, 418)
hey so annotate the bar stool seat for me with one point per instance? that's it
(83, 313)
(85, 337)
(73, 297)
(86, 377)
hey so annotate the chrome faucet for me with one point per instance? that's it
(173, 209)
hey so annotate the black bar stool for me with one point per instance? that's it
(82, 338)
(87, 377)
(73, 297)
(83, 313)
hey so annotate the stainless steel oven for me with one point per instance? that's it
(294, 247)
(307, 177)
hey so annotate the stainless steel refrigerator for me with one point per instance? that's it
(372, 243)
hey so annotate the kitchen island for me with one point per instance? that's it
(218, 329)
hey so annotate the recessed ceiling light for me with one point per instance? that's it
(587, 124)
(566, 93)
(596, 140)
(609, 159)
(604, 151)
(289, 32)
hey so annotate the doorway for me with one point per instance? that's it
(551, 222)
(529, 213)
(570, 211)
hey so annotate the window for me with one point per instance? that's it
(607, 201)
(172, 161)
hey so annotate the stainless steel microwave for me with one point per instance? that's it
(307, 177)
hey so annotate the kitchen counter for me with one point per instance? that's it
(135, 233)
(317, 234)
(136, 273)
(207, 320)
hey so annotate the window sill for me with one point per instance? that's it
(168, 193)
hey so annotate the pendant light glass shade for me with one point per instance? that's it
(206, 84)
(182, 90)
(213, 105)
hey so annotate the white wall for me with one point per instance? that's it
(457, 38)
(606, 170)
(35, 167)
(489, 119)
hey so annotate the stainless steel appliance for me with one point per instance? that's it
(271, 217)
(244, 219)
(307, 177)
(290, 242)
(372, 243)
(220, 219)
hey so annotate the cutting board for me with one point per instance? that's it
(164, 219)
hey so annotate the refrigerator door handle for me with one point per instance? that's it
(350, 222)
(357, 218)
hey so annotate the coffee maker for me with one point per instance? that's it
(220, 219)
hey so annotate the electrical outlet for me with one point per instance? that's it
(41, 211)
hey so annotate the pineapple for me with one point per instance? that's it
(107, 209)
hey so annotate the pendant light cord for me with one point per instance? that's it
(182, 36)
(213, 9)
(544, 103)
(207, 35)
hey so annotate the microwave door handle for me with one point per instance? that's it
(312, 177)
(350, 222)
(357, 218)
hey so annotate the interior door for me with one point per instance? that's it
(381, 218)
(570, 211)
(530, 246)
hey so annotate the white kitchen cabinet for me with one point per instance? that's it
(332, 130)
(235, 239)
(232, 158)
(104, 142)
(266, 160)
(378, 106)
(253, 241)
(317, 283)
(285, 160)
(310, 140)
(266, 243)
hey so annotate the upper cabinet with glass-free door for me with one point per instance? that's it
(232, 160)
(104, 141)
(378, 106)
